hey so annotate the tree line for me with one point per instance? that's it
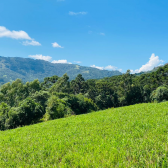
(57, 97)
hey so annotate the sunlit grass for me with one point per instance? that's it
(134, 136)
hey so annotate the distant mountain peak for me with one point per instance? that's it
(29, 69)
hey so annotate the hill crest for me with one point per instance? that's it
(29, 69)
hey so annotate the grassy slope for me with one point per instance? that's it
(134, 136)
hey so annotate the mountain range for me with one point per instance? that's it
(29, 69)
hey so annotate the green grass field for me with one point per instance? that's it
(134, 136)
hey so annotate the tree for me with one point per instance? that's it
(105, 95)
(41, 97)
(28, 112)
(91, 91)
(160, 94)
(33, 86)
(84, 105)
(79, 85)
(4, 109)
(13, 93)
(146, 93)
(134, 95)
(16, 93)
(55, 108)
(4, 88)
(62, 85)
(49, 81)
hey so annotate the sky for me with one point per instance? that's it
(104, 34)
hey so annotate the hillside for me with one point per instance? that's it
(28, 69)
(32, 102)
(132, 136)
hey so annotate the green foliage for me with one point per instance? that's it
(56, 108)
(77, 103)
(41, 97)
(133, 136)
(28, 69)
(134, 95)
(58, 97)
(160, 94)
(146, 93)
(105, 96)
(79, 85)
(4, 109)
(49, 81)
(15, 92)
(5, 88)
(133, 89)
(33, 86)
(28, 112)
(62, 85)
(83, 105)
(112, 138)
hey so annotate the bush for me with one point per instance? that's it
(27, 113)
(83, 105)
(56, 108)
(41, 97)
(160, 94)
(62, 104)
(4, 109)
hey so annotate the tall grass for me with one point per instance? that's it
(133, 136)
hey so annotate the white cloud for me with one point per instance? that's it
(113, 68)
(56, 45)
(134, 71)
(33, 43)
(77, 13)
(78, 62)
(94, 66)
(14, 34)
(109, 67)
(41, 57)
(61, 62)
(102, 34)
(48, 58)
(153, 62)
(19, 35)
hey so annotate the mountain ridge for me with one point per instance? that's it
(29, 69)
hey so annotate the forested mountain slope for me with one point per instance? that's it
(28, 69)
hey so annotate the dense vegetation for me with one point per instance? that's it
(28, 69)
(57, 97)
(133, 136)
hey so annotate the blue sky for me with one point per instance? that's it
(105, 34)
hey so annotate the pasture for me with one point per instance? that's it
(132, 136)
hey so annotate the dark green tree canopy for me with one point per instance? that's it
(31, 102)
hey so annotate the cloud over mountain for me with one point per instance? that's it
(153, 62)
(61, 62)
(41, 57)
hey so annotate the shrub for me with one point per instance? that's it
(27, 113)
(160, 94)
(4, 109)
(56, 108)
